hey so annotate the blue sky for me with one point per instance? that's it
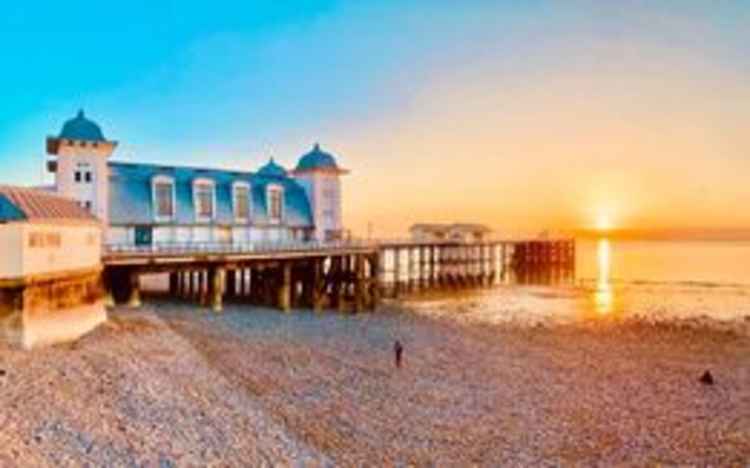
(406, 92)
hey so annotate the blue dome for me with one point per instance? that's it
(81, 128)
(316, 159)
(272, 170)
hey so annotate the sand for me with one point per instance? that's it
(169, 385)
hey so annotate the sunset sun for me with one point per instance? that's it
(603, 222)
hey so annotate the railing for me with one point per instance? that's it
(260, 247)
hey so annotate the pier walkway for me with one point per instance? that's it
(342, 275)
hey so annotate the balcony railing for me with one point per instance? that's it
(260, 247)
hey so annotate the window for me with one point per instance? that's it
(203, 194)
(241, 201)
(78, 176)
(87, 205)
(88, 176)
(163, 189)
(275, 199)
(45, 239)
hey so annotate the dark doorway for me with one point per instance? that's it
(143, 235)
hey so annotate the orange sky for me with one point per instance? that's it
(629, 130)
(521, 115)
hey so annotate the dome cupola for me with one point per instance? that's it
(271, 169)
(81, 128)
(316, 159)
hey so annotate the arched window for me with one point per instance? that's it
(204, 197)
(162, 188)
(275, 203)
(241, 201)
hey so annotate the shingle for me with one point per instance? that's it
(20, 203)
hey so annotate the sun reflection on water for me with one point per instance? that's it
(603, 296)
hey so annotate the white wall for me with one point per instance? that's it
(72, 158)
(203, 234)
(11, 239)
(120, 235)
(80, 248)
(323, 191)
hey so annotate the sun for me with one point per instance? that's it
(603, 222)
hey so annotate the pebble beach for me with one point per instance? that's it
(173, 385)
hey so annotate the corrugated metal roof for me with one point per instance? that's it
(130, 195)
(25, 204)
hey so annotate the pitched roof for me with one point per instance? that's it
(437, 227)
(25, 204)
(131, 197)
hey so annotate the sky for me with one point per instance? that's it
(522, 115)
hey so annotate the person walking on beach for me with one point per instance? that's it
(398, 350)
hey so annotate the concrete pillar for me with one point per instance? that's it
(134, 296)
(244, 286)
(493, 265)
(396, 272)
(420, 267)
(107, 280)
(285, 286)
(216, 277)
(359, 283)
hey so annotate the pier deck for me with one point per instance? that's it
(340, 275)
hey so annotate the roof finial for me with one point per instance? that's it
(316, 147)
(80, 113)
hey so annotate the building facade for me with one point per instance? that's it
(151, 204)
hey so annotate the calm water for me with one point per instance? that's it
(617, 279)
(710, 263)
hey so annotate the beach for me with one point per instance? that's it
(171, 384)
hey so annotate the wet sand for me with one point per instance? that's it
(173, 386)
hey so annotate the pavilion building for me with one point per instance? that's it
(146, 204)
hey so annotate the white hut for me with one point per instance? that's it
(50, 268)
(457, 232)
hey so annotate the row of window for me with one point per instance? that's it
(83, 176)
(44, 239)
(40, 240)
(83, 143)
(204, 196)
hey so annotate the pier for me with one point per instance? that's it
(346, 276)
(410, 267)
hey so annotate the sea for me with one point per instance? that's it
(622, 279)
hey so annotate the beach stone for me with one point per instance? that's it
(707, 378)
(2, 372)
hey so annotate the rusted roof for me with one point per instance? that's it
(33, 205)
